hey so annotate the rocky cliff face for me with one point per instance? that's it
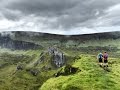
(7, 42)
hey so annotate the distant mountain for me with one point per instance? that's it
(37, 35)
(26, 40)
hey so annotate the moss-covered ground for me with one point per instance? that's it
(91, 76)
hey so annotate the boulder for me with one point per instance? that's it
(67, 70)
(34, 72)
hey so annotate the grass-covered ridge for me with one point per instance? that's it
(91, 77)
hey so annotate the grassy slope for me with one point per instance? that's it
(21, 80)
(101, 42)
(92, 77)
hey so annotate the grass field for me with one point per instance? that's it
(91, 76)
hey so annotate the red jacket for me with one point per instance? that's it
(105, 56)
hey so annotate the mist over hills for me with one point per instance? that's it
(19, 34)
(27, 40)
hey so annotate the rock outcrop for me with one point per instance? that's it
(58, 57)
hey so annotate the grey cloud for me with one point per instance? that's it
(42, 7)
(11, 15)
(82, 14)
(69, 13)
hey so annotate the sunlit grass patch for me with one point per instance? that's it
(91, 77)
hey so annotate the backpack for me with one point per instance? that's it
(100, 56)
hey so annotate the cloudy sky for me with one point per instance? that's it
(60, 16)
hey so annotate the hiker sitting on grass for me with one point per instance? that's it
(105, 57)
(100, 58)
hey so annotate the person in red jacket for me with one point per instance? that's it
(105, 58)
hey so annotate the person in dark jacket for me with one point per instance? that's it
(100, 59)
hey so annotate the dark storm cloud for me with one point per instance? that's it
(11, 15)
(68, 13)
(42, 7)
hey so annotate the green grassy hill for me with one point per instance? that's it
(25, 79)
(91, 76)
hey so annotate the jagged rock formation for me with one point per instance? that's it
(58, 57)
(52, 56)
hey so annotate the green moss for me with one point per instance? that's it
(92, 77)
